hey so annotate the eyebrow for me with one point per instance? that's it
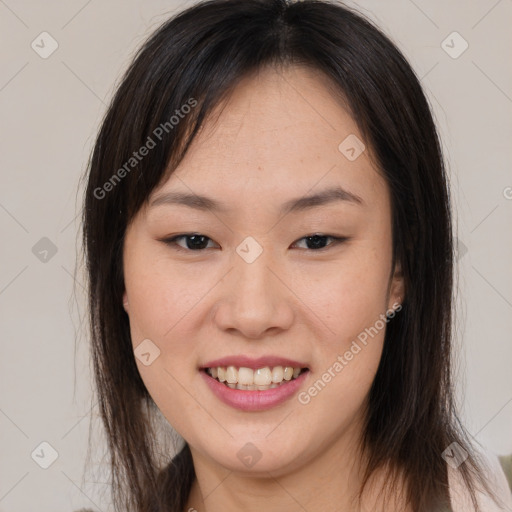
(203, 203)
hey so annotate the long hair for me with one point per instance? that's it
(181, 73)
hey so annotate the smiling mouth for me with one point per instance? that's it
(259, 379)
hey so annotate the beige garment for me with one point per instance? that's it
(460, 499)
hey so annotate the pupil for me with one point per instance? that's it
(195, 245)
(315, 241)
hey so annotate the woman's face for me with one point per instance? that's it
(251, 290)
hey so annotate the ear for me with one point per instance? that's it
(125, 301)
(397, 288)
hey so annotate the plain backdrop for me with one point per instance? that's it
(50, 111)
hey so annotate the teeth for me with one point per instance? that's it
(277, 374)
(231, 375)
(245, 376)
(263, 376)
(249, 379)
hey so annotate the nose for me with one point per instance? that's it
(255, 300)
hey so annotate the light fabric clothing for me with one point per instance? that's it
(461, 501)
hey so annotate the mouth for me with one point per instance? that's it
(254, 379)
(262, 394)
(254, 384)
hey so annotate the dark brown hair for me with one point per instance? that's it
(196, 58)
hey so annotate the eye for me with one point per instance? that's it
(198, 242)
(193, 241)
(317, 241)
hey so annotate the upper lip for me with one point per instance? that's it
(254, 363)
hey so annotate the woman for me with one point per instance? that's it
(269, 251)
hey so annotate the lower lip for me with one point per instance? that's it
(256, 400)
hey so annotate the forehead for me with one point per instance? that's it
(276, 135)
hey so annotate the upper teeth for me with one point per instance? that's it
(249, 377)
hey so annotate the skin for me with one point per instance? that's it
(275, 139)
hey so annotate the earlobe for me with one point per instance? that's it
(125, 302)
(397, 289)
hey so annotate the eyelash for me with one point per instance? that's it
(173, 241)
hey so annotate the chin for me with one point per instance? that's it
(258, 457)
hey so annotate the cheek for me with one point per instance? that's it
(346, 364)
(161, 294)
(353, 305)
(159, 309)
(162, 300)
(351, 295)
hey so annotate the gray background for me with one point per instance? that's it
(50, 111)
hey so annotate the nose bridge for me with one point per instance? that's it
(252, 273)
(255, 300)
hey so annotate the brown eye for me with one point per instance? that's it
(318, 241)
(193, 242)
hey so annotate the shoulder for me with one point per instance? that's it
(459, 495)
